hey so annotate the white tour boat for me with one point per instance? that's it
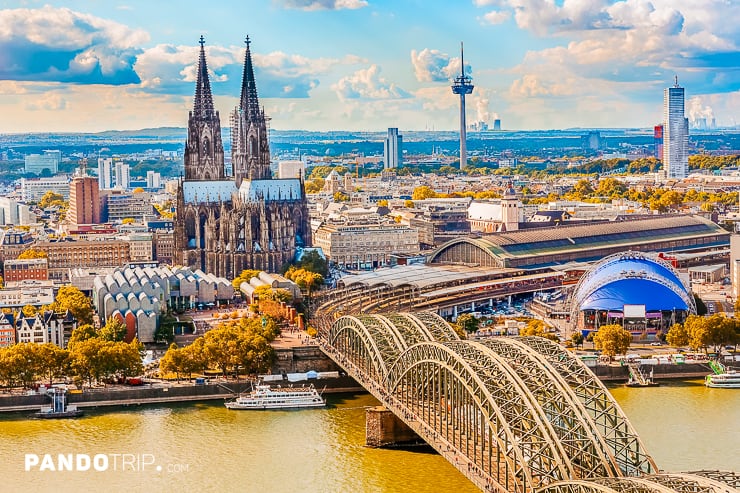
(266, 397)
(727, 380)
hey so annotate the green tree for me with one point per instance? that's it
(53, 361)
(82, 333)
(677, 336)
(467, 322)
(313, 261)
(697, 330)
(577, 339)
(612, 340)
(113, 330)
(72, 299)
(423, 192)
(50, 199)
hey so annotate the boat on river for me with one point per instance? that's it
(727, 380)
(266, 397)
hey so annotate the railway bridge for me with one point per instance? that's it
(514, 414)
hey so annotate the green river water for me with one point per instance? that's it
(206, 448)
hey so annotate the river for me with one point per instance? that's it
(204, 447)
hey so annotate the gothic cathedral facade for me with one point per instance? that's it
(225, 224)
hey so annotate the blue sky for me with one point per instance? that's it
(368, 64)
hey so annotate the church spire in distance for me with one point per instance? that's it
(249, 102)
(203, 102)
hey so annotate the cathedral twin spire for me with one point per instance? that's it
(249, 103)
(250, 147)
(203, 102)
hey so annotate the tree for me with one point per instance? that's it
(677, 336)
(72, 299)
(423, 192)
(29, 311)
(53, 361)
(51, 199)
(31, 253)
(697, 330)
(612, 340)
(577, 339)
(128, 220)
(81, 333)
(313, 261)
(341, 197)
(467, 322)
(114, 330)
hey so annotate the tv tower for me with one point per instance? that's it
(463, 85)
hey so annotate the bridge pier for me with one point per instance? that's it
(383, 429)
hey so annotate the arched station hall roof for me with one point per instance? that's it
(632, 278)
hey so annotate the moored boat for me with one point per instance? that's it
(266, 397)
(727, 380)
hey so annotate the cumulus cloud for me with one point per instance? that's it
(435, 66)
(322, 4)
(496, 17)
(367, 84)
(61, 45)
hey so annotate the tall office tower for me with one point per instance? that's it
(105, 173)
(392, 149)
(123, 177)
(37, 163)
(675, 133)
(84, 201)
(463, 85)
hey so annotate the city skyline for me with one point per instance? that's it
(368, 64)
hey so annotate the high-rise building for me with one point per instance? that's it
(675, 133)
(153, 180)
(392, 149)
(37, 163)
(463, 85)
(105, 173)
(123, 176)
(84, 201)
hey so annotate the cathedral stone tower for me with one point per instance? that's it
(250, 151)
(204, 151)
(225, 224)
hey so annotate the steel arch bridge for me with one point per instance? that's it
(514, 415)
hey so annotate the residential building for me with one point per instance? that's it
(84, 201)
(105, 173)
(164, 246)
(123, 176)
(675, 133)
(13, 242)
(25, 269)
(153, 180)
(34, 293)
(33, 189)
(13, 212)
(392, 151)
(141, 246)
(37, 163)
(7, 330)
(65, 255)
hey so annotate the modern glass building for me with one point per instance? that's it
(675, 133)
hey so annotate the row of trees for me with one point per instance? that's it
(699, 332)
(91, 356)
(232, 347)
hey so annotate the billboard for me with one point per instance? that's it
(634, 311)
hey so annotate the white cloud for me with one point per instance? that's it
(367, 84)
(496, 17)
(322, 4)
(435, 66)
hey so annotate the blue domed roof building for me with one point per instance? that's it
(634, 289)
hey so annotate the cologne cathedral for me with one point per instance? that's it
(225, 224)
